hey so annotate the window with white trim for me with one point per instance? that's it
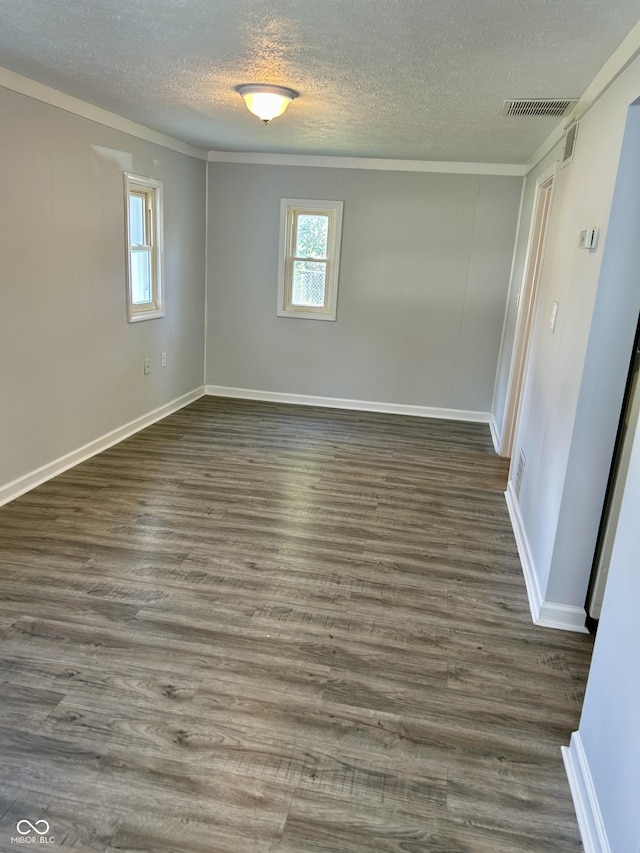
(308, 268)
(143, 216)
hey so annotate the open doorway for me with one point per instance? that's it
(526, 307)
(615, 489)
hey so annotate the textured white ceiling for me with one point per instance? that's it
(409, 79)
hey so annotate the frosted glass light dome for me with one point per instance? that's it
(265, 101)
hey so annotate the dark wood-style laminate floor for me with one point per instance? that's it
(280, 629)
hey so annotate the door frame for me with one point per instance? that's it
(527, 299)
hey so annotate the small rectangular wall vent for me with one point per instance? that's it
(538, 107)
(569, 143)
(520, 473)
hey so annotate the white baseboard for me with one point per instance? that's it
(524, 552)
(546, 614)
(566, 617)
(585, 800)
(495, 438)
(343, 403)
(23, 484)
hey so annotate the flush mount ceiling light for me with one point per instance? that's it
(265, 101)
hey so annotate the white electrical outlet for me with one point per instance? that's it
(163, 359)
(147, 367)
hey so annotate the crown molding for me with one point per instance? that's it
(40, 92)
(326, 162)
(618, 62)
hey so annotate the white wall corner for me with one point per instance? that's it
(495, 437)
(524, 552)
(343, 403)
(545, 614)
(29, 481)
(585, 800)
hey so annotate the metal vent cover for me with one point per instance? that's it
(538, 107)
(522, 461)
(569, 143)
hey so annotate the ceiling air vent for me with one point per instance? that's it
(569, 143)
(538, 107)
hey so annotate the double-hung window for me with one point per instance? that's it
(143, 211)
(310, 233)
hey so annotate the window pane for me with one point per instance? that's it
(311, 235)
(141, 276)
(136, 220)
(309, 283)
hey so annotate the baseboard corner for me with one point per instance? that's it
(495, 436)
(564, 617)
(25, 483)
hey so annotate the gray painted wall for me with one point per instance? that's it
(424, 276)
(71, 364)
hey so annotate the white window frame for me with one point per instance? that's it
(151, 189)
(290, 208)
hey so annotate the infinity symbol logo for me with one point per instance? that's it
(32, 827)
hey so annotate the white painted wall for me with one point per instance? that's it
(424, 275)
(575, 378)
(608, 351)
(71, 366)
(573, 396)
(606, 749)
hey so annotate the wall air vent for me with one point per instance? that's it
(569, 143)
(520, 473)
(538, 107)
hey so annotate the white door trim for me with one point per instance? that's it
(527, 303)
